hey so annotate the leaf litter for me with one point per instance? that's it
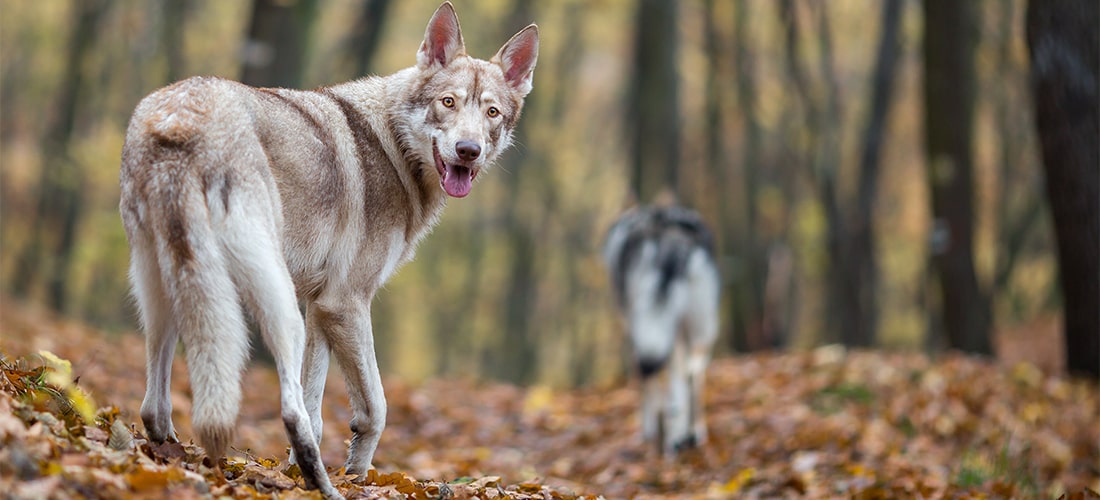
(825, 423)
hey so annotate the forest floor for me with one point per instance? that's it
(826, 423)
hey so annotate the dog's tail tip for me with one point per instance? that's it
(214, 438)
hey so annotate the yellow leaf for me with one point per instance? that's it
(860, 471)
(82, 403)
(739, 480)
(56, 362)
(60, 374)
(61, 370)
(145, 479)
(538, 399)
(51, 469)
(1027, 374)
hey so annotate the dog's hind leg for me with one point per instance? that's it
(268, 290)
(161, 334)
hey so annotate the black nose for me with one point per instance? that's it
(468, 150)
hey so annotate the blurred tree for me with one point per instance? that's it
(747, 290)
(1064, 43)
(518, 339)
(60, 192)
(365, 34)
(653, 107)
(174, 21)
(857, 250)
(949, 85)
(1020, 206)
(278, 38)
(821, 159)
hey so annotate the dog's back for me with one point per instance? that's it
(662, 268)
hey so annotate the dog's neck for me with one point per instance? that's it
(379, 106)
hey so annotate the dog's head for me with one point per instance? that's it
(464, 109)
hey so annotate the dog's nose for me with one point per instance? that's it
(468, 150)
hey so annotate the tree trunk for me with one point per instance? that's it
(366, 33)
(60, 188)
(275, 49)
(654, 110)
(1063, 43)
(949, 82)
(860, 235)
(173, 21)
(747, 294)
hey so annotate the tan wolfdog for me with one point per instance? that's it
(237, 198)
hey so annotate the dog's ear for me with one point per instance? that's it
(517, 58)
(442, 40)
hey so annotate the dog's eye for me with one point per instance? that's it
(493, 112)
(448, 102)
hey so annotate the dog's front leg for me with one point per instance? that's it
(348, 331)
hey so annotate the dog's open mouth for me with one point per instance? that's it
(457, 180)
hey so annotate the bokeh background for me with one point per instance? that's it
(799, 129)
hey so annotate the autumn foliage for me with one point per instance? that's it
(825, 423)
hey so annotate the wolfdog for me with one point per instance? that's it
(238, 199)
(666, 283)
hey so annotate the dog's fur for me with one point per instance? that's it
(269, 198)
(666, 283)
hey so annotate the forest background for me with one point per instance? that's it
(801, 130)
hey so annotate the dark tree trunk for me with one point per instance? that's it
(654, 100)
(278, 34)
(173, 21)
(1063, 43)
(60, 188)
(860, 257)
(949, 85)
(366, 33)
(747, 295)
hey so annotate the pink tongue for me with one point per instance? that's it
(457, 181)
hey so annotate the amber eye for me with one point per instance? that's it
(449, 102)
(493, 112)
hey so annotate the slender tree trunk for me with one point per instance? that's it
(746, 299)
(1063, 42)
(61, 187)
(860, 235)
(278, 35)
(822, 157)
(366, 33)
(949, 85)
(654, 100)
(1020, 208)
(173, 20)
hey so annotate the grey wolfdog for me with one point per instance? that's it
(237, 198)
(666, 283)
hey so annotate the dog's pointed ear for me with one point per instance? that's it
(442, 40)
(517, 58)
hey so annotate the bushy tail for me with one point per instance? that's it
(206, 306)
